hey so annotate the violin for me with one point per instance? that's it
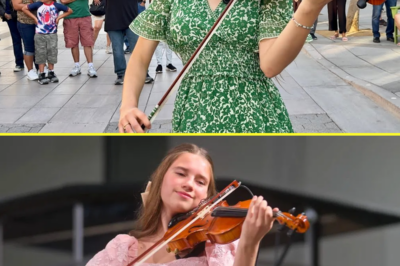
(216, 221)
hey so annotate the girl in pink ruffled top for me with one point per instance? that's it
(181, 181)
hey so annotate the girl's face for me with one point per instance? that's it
(185, 183)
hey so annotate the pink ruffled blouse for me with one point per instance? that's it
(123, 249)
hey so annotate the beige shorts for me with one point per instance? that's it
(99, 18)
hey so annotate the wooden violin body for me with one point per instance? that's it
(216, 221)
(224, 225)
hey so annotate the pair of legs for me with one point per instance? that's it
(27, 32)
(337, 11)
(46, 50)
(75, 30)
(98, 24)
(159, 53)
(376, 14)
(17, 44)
(117, 39)
(397, 21)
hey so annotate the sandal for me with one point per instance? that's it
(333, 37)
(344, 39)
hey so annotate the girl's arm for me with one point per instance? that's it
(258, 222)
(246, 254)
(276, 54)
(133, 83)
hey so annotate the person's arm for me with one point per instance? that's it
(134, 79)
(257, 224)
(26, 10)
(18, 5)
(153, 28)
(276, 54)
(246, 254)
(64, 14)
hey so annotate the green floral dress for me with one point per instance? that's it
(225, 90)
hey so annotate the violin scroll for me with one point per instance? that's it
(297, 223)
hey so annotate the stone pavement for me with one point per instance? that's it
(331, 87)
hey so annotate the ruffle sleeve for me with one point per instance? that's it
(153, 23)
(274, 16)
(118, 252)
(221, 255)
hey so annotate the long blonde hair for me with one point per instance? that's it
(150, 217)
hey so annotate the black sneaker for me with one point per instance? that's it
(390, 39)
(171, 68)
(127, 51)
(313, 36)
(376, 40)
(52, 77)
(148, 79)
(42, 79)
(119, 80)
(159, 69)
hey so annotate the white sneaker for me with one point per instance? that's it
(108, 50)
(32, 75)
(18, 69)
(92, 72)
(75, 71)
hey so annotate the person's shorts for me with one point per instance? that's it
(76, 29)
(99, 17)
(46, 48)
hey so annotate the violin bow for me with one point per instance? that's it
(190, 62)
(200, 214)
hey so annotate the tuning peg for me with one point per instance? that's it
(168, 249)
(292, 210)
(176, 251)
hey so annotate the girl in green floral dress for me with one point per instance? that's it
(229, 88)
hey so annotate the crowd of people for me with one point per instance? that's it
(33, 26)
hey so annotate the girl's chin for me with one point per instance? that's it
(182, 208)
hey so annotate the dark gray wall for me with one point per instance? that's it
(32, 164)
(363, 171)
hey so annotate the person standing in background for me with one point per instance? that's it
(98, 24)
(10, 16)
(78, 27)
(26, 28)
(337, 11)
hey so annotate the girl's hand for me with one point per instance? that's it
(131, 119)
(258, 222)
(96, 2)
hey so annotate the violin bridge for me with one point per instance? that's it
(204, 212)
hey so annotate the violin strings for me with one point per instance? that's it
(230, 210)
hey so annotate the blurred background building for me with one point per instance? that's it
(63, 198)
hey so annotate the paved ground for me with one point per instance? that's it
(332, 86)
